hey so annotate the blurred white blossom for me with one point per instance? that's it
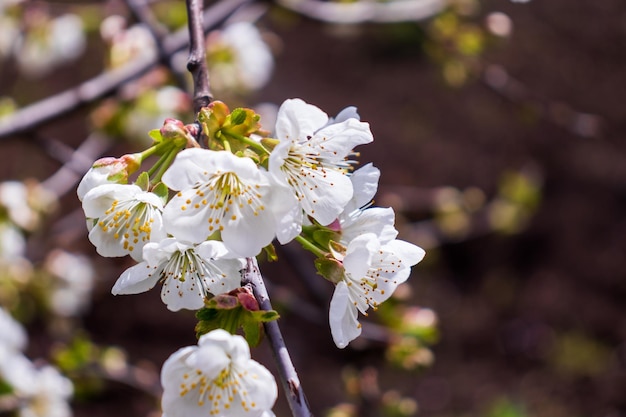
(239, 59)
(75, 276)
(49, 43)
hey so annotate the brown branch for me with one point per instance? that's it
(287, 372)
(37, 114)
(196, 64)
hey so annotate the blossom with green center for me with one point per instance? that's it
(311, 159)
(216, 378)
(189, 272)
(125, 219)
(372, 272)
(219, 194)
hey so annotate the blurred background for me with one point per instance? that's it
(498, 131)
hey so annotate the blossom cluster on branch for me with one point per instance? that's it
(223, 190)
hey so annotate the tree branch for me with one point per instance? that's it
(287, 372)
(32, 116)
(196, 64)
(143, 14)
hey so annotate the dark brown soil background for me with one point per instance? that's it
(510, 307)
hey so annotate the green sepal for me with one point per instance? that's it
(330, 268)
(161, 191)
(232, 311)
(155, 134)
(143, 181)
(269, 143)
(238, 116)
(324, 236)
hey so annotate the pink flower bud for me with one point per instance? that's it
(173, 128)
(109, 170)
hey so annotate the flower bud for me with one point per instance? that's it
(173, 128)
(109, 170)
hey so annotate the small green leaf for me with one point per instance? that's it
(238, 116)
(155, 134)
(143, 181)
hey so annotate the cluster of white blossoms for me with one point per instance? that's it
(33, 391)
(192, 218)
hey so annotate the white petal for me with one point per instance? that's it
(135, 280)
(409, 253)
(342, 317)
(296, 120)
(359, 255)
(187, 294)
(365, 184)
(99, 199)
(249, 234)
(188, 168)
(325, 202)
(376, 220)
(340, 139)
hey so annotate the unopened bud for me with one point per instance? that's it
(173, 129)
(109, 170)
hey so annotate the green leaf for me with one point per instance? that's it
(233, 311)
(143, 181)
(155, 134)
(162, 191)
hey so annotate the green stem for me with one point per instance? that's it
(154, 150)
(165, 163)
(249, 142)
(311, 247)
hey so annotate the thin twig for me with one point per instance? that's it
(32, 116)
(287, 372)
(196, 64)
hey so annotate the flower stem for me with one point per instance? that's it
(311, 247)
(164, 164)
(253, 144)
(287, 372)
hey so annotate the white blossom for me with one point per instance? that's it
(189, 272)
(372, 272)
(311, 159)
(12, 334)
(219, 192)
(239, 58)
(62, 41)
(217, 378)
(48, 395)
(75, 275)
(126, 218)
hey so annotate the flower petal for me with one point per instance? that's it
(342, 317)
(135, 280)
(296, 120)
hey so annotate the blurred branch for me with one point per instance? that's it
(53, 107)
(75, 162)
(561, 114)
(196, 64)
(366, 10)
(143, 14)
(288, 376)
